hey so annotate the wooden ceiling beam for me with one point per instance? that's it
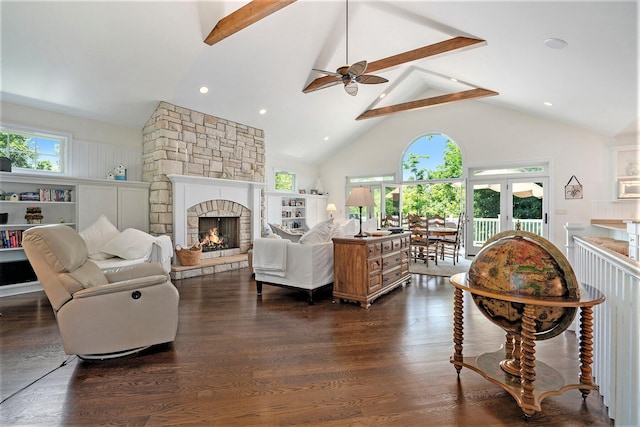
(450, 45)
(240, 19)
(427, 102)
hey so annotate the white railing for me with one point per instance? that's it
(616, 324)
(483, 228)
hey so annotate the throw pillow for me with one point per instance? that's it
(320, 233)
(130, 244)
(96, 235)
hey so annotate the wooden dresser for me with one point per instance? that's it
(365, 268)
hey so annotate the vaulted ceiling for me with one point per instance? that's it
(114, 61)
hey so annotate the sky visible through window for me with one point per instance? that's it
(429, 145)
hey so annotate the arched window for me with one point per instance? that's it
(432, 157)
(432, 177)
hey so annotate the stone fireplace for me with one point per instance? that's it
(201, 166)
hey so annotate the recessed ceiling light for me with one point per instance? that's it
(555, 43)
(204, 89)
(548, 104)
(382, 95)
(263, 111)
(326, 138)
(453, 79)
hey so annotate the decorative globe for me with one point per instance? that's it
(524, 264)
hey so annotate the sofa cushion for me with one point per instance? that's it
(130, 244)
(320, 233)
(96, 235)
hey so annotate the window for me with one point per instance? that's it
(432, 177)
(34, 151)
(432, 157)
(285, 181)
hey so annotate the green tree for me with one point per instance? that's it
(439, 198)
(21, 150)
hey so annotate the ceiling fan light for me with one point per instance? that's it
(351, 88)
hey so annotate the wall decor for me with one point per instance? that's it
(573, 189)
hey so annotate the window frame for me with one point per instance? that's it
(289, 172)
(64, 156)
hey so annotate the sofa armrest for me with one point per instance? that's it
(129, 272)
(123, 286)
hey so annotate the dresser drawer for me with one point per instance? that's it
(375, 265)
(373, 249)
(375, 282)
(388, 277)
(391, 261)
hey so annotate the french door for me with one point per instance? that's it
(495, 205)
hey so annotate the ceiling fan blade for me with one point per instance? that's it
(370, 79)
(329, 73)
(358, 68)
(427, 102)
(243, 17)
(351, 88)
(423, 52)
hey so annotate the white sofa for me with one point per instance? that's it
(280, 262)
(110, 249)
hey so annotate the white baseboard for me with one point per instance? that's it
(19, 288)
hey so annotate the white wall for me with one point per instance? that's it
(486, 135)
(306, 173)
(97, 147)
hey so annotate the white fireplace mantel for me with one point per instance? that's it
(191, 190)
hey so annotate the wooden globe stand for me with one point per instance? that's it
(514, 368)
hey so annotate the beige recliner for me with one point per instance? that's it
(101, 314)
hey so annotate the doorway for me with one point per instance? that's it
(506, 202)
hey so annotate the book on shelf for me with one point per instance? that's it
(10, 239)
(54, 195)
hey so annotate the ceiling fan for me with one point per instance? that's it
(349, 75)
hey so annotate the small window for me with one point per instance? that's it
(285, 181)
(33, 151)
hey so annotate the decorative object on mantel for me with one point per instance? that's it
(189, 256)
(120, 173)
(34, 215)
(573, 189)
(359, 197)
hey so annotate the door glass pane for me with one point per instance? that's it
(486, 212)
(527, 200)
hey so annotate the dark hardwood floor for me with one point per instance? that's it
(276, 361)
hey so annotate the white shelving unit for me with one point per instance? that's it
(127, 206)
(296, 210)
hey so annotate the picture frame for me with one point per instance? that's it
(302, 191)
(314, 191)
(573, 189)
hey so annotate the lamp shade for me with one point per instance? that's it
(360, 196)
(331, 207)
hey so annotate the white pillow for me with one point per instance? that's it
(369, 225)
(320, 233)
(349, 228)
(130, 244)
(97, 234)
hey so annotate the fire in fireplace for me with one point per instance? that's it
(217, 233)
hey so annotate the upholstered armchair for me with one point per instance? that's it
(101, 314)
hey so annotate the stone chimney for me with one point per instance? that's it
(180, 141)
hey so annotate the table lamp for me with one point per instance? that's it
(360, 196)
(331, 208)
